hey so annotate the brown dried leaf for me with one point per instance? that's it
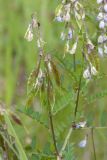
(16, 119)
(56, 73)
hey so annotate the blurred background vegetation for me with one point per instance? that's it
(18, 58)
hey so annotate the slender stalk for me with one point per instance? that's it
(78, 94)
(74, 63)
(66, 141)
(50, 113)
(53, 133)
(93, 144)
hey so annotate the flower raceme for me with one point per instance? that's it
(72, 13)
(89, 72)
(65, 12)
(29, 33)
(102, 18)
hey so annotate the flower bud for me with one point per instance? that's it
(101, 24)
(59, 18)
(100, 16)
(105, 7)
(67, 17)
(100, 51)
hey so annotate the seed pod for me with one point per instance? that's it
(16, 119)
(56, 73)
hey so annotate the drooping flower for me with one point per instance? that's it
(29, 34)
(105, 7)
(89, 72)
(66, 17)
(102, 17)
(105, 49)
(2, 109)
(81, 124)
(59, 18)
(102, 24)
(100, 51)
(70, 33)
(62, 36)
(74, 47)
(83, 143)
(90, 45)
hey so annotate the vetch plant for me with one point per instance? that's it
(59, 89)
(46, 76)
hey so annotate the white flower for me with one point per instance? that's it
(105, 38)
(100, 51)
(105, 17)
(67, 17)
(62, 36)
(74, 47)
(100, 39)
(67, 7)
(90, 45)
(105, 7)
(70, 33)
(2, 109)
(40, 42)
(29, 34)
(39, 80)
(101, 24)
(99, 1)
(83, 143)
(67, 46)
(105, 49)
(59, 18)
(87, 74)
(100, 16)
(93, 71)
(81, 124)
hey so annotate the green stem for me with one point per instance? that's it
(66, 141)
(74, 63)
(78, 95)
(93, 144)
(50, 113)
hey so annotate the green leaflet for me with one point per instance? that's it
(62, 102)
(96, 96)
(39, 117)
(58, 9)
(69, 153)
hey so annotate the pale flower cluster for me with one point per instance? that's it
(89, 72)
(102, 18)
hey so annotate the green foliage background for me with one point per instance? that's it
(18, 58)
